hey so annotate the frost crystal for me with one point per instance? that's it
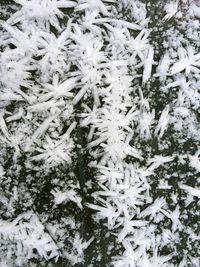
(99, 133)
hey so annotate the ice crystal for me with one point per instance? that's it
(91, 101)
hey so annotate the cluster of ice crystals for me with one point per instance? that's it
(93, 68)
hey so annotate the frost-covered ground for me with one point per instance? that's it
(99, 133)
